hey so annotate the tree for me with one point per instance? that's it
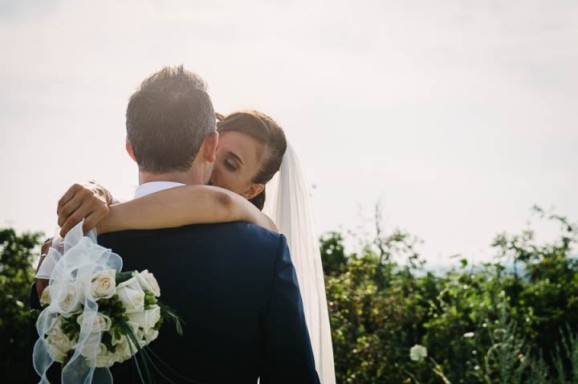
(16, 277)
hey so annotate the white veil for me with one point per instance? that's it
(288, 203)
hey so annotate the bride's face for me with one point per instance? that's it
(239, 159)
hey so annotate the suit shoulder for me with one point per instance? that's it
(246, 233)
(231, 233)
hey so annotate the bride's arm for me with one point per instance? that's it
(175, 207)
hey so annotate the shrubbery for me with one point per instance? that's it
(480, 324)
(16, 277)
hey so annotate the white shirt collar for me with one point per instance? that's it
(154, 186)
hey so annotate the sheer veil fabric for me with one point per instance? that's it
(288, 203)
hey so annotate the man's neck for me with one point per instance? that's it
(179, 177)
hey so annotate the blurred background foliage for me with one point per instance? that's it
(512, 320)
(17, 253)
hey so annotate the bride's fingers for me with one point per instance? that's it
(93, 219)
(68, 210)
(91, 208)
(77, 196)
(68, 195)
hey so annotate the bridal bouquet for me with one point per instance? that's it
(93, 314)
(128, 317)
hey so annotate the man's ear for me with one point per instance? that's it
(253, 191)
(129, 150)
(209, 147)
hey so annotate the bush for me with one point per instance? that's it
(16, 277)
(489, 323)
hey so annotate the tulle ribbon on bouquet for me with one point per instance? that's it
(72, 267)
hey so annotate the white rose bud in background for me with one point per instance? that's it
(418, 352)
(148, 282)
(147, 319)
(103, 284)
(131, 295)
(101, 322)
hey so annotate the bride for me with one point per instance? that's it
(252, 148)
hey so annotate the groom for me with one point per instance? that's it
(233, 284)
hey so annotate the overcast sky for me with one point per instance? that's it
(456, 116)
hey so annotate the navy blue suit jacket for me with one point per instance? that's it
(235, 287)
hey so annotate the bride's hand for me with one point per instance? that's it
(83, 201)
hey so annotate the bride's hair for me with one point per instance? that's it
(265, 130)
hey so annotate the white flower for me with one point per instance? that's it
(136, 332)
(124, 345)
(151, 335)
(105, 361)
(145, 338)
(59, 344)
(468, 335)
(101, 322)
(68, 299)
(45, 297)
(131, 295)
(147, 319)
(91, 347)
(148, 282)
(418, 352)
(103, 284)
(104, 358)
(123, 350)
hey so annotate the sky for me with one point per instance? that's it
(454, 117)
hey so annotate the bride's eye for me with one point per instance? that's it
(230, 166)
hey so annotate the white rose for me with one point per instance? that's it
(105, 361)
(56, 346)
(101, 322)
(131, 295)
(147, 319)
(45, 297)
(151, 335)
(68, 298)
(119, 338)
(123, 350)
(103, 284)
(104, 358)
(91, 347)
(148, 282)
(125, 346)
(59, 344)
